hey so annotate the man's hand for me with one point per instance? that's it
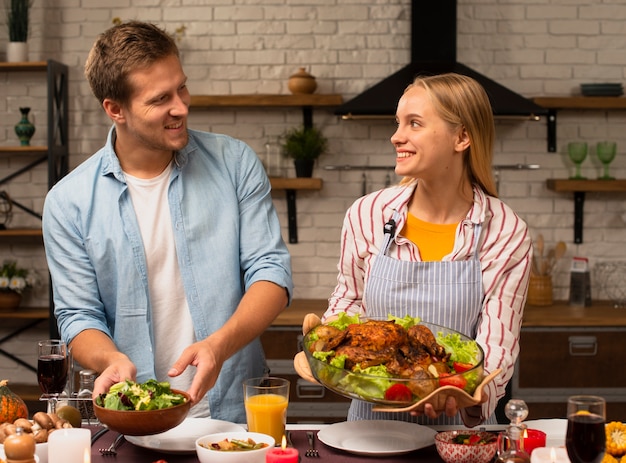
(201, 355)
(119, 371)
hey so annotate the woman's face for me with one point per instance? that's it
(427, 147)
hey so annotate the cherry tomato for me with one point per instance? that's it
(452, 380)
(460, 367)
(399, 393)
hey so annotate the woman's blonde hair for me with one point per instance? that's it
(463, 103)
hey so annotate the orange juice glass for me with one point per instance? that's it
(266, 400)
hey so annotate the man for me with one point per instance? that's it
(164, 247)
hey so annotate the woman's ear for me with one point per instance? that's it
(114, 110)
(463, 140)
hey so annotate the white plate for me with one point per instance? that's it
(555, 430)
(377, 437)
(182, 438)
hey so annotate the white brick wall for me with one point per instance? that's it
(249, 46)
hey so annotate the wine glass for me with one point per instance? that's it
(577, 151)
(585, 439)
(52, 369)
(606, 151)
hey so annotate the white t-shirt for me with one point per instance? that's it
(172, 323)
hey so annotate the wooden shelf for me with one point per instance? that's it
(22, 236)
(23, 149)
(23, 67)
(282, 183)
(581, 102)
(210, 101)
(561, 314)
(555, 103)
(290, 185)
(570, 185)
(304, 101)
(28, 313)
(579, 188)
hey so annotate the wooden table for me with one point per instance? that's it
(129, 453)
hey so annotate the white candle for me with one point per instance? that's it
(71, 445)
(549, 455)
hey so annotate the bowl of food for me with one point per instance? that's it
(137, 409)
(466, 446)
(396, 362)
(234, 447)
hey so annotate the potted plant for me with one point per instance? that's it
(304, 145)
(13, 282)
(17, 21)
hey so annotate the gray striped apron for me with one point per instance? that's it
(443, 293)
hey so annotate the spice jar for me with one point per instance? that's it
(20, 447)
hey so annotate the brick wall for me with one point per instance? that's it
(246, 46)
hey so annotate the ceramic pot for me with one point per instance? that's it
(9, 301)
(302, 82)
(304, 167)
(17, 52)
(24, 129)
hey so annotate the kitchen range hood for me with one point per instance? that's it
(433, 51)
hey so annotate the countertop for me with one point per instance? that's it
(600, 314)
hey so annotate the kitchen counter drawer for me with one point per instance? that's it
(555, 363)
(565, 358)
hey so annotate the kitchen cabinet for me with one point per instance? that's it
(56, 155)
(308, 402)
(553, 104)
(571, 350)
(579, 188)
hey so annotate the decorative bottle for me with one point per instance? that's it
(511, 440)
(24, 129)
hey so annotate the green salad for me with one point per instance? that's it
(376, 383)
(129, 395)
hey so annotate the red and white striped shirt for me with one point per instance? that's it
(505, 253)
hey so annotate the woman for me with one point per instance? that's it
(440, 245)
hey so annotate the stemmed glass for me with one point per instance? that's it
(52, 369)
(585, 439)
(577, 151)
(606, 151)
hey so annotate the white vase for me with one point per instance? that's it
(17, 52)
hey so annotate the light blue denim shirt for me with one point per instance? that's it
(227, 237)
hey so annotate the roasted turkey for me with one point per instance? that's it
(413, 353)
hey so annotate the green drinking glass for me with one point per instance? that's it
(606, 151)
(577, 152)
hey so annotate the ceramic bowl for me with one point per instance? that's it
(371, 389)
(144, 422)
(451, 452)
(208, 455)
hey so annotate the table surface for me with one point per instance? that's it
(127, 452)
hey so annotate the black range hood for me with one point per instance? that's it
(433, 51)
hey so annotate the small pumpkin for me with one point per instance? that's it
(12, 406)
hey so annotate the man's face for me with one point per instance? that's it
(155, 118)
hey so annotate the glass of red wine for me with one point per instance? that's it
(52, 370)
(585, 440)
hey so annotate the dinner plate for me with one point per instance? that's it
(555, 430)
(377, 437)
(182, 438)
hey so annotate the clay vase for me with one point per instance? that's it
(301, 82)
(24, 129)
